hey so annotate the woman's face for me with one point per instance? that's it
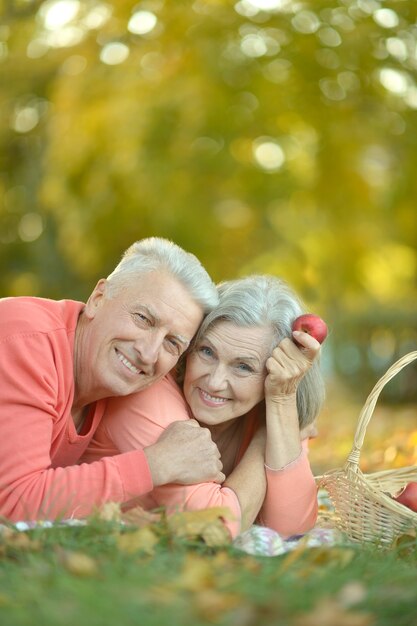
(225, 373)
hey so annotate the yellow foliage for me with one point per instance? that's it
(79, 564)
(13, 540)
(206, 524)
(142, 540)
(329, 612)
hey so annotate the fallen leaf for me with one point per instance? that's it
(142, 540)
(211, 604)
(197, 573)
(206, 524)
(140, 517)
(328, 612)
(12, 540)
(294, 555)
(405, 544)
(351, 593)
(79, 564)
(109, 512)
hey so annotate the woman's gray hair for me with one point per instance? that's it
(155, 253)
(262, 300)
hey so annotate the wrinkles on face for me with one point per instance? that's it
(135, 337)
(226, 371)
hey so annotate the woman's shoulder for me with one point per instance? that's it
(161, 403)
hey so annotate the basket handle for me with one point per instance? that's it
(369, 406)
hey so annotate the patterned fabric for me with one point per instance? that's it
(263, 541)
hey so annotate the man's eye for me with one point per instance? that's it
(174, 345)
(142, 318)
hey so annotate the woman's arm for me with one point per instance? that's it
(137, 421)
(290, 505)
(248, 479)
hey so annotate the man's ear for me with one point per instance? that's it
(95, 300)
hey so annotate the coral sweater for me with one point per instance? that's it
(136, 421)
(39, 445)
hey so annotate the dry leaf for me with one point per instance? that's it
(109, 512)
(405, 544)
(197, 573)
(6, 532)
(352, 593)
(141, 540)
(140, 517)
(211, 604)
(294, 555)
(207, 525)
(17, 540)
(328, 612)
(79, 564)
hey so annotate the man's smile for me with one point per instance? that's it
(132, 368)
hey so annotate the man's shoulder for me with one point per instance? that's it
(30, 314)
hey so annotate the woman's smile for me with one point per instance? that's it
(211, 400)
(225, 372)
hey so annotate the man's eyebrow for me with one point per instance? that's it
(150, 312)
(186, 342)
(156, 320)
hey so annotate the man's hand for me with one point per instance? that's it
(185, 454)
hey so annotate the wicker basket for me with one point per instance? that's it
(363, 508)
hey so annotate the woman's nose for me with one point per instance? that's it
(217, 378)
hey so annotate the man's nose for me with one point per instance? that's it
(148, 347)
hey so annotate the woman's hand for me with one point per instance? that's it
(288, 364)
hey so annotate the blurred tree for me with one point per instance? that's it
(263, 135)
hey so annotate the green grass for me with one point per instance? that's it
(184, 584)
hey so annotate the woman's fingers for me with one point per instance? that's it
(309, 346)
(289, 363)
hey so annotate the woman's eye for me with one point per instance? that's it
(205, 351)
(244, 367)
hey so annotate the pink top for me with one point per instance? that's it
(290, 506)
(39, 446)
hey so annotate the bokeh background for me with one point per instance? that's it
(271, 136)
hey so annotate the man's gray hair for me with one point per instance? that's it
(156, 253)
(262, 300)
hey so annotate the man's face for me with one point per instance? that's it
(135, 337)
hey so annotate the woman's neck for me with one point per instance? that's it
(219, 431)
(228, 437)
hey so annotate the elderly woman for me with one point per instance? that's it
(255, 390)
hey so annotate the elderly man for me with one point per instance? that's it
(61, 360)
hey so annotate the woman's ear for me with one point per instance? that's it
(96, 299)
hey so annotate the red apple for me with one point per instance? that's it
(408, 496)
(311, 324)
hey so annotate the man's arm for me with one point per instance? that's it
(39, 451)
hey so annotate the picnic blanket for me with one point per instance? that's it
(257, 540)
